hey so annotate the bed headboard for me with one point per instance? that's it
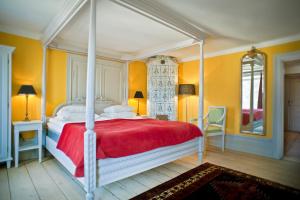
(110, 80)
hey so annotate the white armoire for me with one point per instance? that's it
(5, 103)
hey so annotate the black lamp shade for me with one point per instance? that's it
(26, 90)
(138, 95)
(186, 89)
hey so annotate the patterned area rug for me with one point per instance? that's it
(212, 182)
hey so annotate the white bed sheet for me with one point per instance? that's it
(57, 125)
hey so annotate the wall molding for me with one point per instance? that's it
(257, 146)
(243, 48)
(19, 32)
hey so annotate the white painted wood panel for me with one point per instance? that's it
(112, 83)
(5, 103)
(110, 80)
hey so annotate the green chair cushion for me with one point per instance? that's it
(213, 129)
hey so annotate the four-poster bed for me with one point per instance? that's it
(104, 171)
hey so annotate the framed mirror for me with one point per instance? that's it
(253, 92)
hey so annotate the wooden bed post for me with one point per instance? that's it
(201, 100)
(89, 135)
(44, 80)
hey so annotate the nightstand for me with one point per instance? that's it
(20, 126)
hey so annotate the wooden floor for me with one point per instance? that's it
(292, 146)
(50, 180)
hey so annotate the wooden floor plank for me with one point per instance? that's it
(145, 180)
(134, 186)
(4, 185)
(167, 172)
(119, 191)
(43, 183)
(69, 187)
(20, 184)
(157, 176)
(176, 167)
(32, 181)
(104, 194)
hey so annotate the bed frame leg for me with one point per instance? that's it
(89, 196)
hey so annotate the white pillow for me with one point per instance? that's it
(73, 116)
(74, 108)
(118, 115)
(118, 109)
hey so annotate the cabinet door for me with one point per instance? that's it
(113, 83)
(1, 107)
(4, 100)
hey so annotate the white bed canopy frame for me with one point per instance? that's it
(89, 136)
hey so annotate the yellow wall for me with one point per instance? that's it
(222, 80)
(222, 84)
(27, 69)
(56, 80)
(137, 80)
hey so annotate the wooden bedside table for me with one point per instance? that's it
(20, 126)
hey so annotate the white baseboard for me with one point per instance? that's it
(258, 146)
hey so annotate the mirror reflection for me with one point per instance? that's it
(253, 91)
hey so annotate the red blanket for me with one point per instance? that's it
(124, 137)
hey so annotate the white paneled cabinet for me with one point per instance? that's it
(110, 80)
(5, 103)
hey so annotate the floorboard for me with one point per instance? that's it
(71, 189)
(20, 184)
(33, 180)
(4, 185)
(119, 191)
(45, 186)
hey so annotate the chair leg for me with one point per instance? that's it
(204, 145)
(223, 142)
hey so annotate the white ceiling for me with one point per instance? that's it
(120, 32)
(27, 17)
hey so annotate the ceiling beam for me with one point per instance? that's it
(164, 16)
(70, 9)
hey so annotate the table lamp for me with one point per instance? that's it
(26, 90)
(138, 95)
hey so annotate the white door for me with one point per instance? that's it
(294, 105)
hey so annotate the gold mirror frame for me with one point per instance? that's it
(255, 119)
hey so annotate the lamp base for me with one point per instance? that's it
(26, 119)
